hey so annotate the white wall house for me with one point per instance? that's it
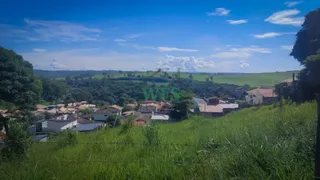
(58, 125)
(254, 99)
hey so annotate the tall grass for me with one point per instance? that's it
(263, 143)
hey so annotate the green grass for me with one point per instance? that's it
(254, 143)
(252, 79)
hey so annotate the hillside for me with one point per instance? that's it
(252, 79)
(254, 143)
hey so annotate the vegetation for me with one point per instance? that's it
(18, 85)
(255, 143)
(305, 51)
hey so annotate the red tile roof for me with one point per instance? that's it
(263, 92)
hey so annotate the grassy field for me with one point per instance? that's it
(254, 143)
(252, 79)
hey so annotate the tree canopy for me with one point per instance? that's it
(307, 51)
(18, 84)
(308, 38)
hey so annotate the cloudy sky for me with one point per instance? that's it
(207, 36)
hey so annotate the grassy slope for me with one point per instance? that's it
(250, 144)
(254, 79)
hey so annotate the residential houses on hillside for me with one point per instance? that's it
(213, 107)
(263, 95)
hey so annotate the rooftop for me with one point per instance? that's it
(39, 137)
(264, 92)
(199, 101)
(212, 109)
(159, 117)
(116, 107)
(87, 127)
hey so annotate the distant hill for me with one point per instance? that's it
(65, 73)
(252, 79)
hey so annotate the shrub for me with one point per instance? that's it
(17, 142)
(151, 134)
(67, 138)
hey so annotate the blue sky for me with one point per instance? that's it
(206, 36)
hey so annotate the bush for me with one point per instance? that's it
(151, 134)
(67, 138)
(17, 142)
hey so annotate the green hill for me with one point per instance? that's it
(252, 79)
(254, 143)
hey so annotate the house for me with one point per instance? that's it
(147, 109)
(60, 106)
(261, 96)
(116, 107)
(131, 105)
(160, 117)
(128, 113)
(55, 125)
(40, 138)
(214, 107)
(51, 107)
(140, 122)
(165, 109)
(141, 119)
(39, 106)
(88, 127)
(103, 113)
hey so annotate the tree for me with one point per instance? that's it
(190, 77)
(53, 89)
(308, 38)
(18, 84)
(305, 51)
(182, 107)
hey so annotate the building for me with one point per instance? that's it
(88, 127)
(160, 117)
(40, 138)
(128, 113)
(141, 119)
(261, 96)
(214, 107)
(55, 125)
(140, 122)
(131, 105)
(103, 113)
(147, 109)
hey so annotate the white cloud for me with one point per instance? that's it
(285, 17)
(136, 46)
(160, 49)
(43, 30)
(240, 21)
(133, 36)
(271, 34)
(185, 63)
(118, 40)
(90, 59)
(217, 49)
(39, 50)
(169, 49)
(229, 55)
(244, 64)
(287, 47)
(292, 3)
(219, 12)
(240, 53)
(252, 49)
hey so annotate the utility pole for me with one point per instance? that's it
(317, 160)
